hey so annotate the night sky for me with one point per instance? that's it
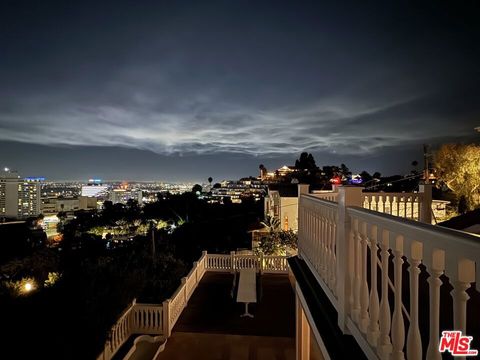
(183, 90)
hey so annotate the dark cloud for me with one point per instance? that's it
(253, 80)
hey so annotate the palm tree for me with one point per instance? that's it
(271, 223)
(263, 171)
(153, 225)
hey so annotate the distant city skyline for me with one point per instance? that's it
(124, 166)
(180, 91)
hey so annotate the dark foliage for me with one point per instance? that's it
(72, 318)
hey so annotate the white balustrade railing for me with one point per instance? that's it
(137, 319)
(317, 229)
(119, 334)
(246, 262)
(369, 244)
(406, 205)
(219, 262)
(274, 264)
(326, 195)
(415, 205)
(147, 319)
(159, 319)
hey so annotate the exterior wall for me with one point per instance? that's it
(12, 197)
(315, 350)
(439, 208)
(67, 205)
(52, 206)
(289, 213)
(122, 196)
(118, 195)
(309, 344)
(284, 209)
(18, 197)
(87, 203)
(49, 206)
(30, 201)
(272, 204)
(94, 190)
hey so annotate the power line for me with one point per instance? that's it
(394, 181)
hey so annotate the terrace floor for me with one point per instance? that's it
(210, 327)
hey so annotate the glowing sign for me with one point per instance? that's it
(95, 181)
(336, 180)
(34, 179)
(356, 179)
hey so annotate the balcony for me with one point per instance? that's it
(394, 283)
(210, 327)
(202, 319)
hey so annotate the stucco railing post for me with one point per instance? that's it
(195, 272)
(426, 207)
(166, 318)
(185, 291)
(232, 261)
(347, 196)
(262, 265)
(303, 189)
(205, 259)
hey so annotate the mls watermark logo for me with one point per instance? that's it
(456, 344)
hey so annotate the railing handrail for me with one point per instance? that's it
(367, 193)
(325, 202)
(140, 305)
(414, 229)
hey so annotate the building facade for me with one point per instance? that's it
(19, 197)
(123, 195)
(94, 188)
(282, 203)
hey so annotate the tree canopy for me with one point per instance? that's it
(458, 168)
(306, 162)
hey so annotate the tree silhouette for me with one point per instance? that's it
(305, 162)
(366, 177)
(196, 188)
(345, 170)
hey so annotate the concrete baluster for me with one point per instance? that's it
(384, 347)
(398, 330)
(414, 341)
(436, 269)
(373, 330)
(356, 283)
(364, 297)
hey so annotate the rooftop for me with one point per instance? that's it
(285, 190)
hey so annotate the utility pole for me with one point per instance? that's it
(425, 164)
